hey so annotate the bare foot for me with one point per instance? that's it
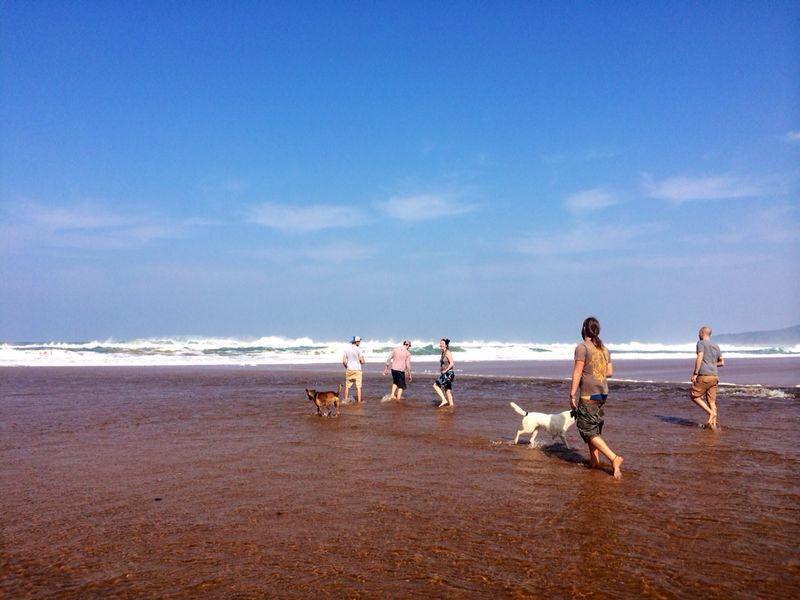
(617, 464)
(442, 404)
(594, 464)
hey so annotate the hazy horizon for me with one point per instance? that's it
(688, 339)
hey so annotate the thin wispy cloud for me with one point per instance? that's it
(315, 217)
(339, 252)
(335, 252)
(774, 225)
(589, 200)
(601, 154)
(424, 207)
(578, 156)
(88, 226)
(75, 218)
(792, 137)
(560, 266)
(684, 189)
(583, 239)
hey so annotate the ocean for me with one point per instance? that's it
(634, 361)
(277, 350)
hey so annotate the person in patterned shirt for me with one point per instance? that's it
(590, 373)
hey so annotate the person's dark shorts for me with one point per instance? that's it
(399, 379)
(445, 380)
(589, 416)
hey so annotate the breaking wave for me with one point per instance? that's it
(276, 350)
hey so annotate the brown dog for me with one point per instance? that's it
(329, 399)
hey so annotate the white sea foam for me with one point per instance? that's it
(276, 350)
(755, 391)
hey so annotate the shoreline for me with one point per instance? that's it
(777, 371)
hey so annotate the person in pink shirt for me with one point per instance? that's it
(399, 362)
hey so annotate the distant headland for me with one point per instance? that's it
(788, 335)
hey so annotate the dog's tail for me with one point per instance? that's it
(339, 390)
(518, 409)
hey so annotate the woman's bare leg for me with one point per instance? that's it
(440, 394)
(616, 459)
(594, 457)
(449, 394)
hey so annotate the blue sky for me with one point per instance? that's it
(470, 170)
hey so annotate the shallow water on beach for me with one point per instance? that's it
(167, 482)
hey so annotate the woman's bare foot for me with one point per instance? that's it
(441, 404)
(617, 464)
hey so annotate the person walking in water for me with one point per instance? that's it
(590, 373)
(443, 386)
(399, 362)
(352, 359)
(705, 378)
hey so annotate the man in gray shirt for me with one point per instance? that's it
(704, 376)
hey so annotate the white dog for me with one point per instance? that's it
(556, 425)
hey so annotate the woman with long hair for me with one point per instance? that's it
(443, 386)
(590, 373)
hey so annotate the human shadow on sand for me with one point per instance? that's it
(678, 421)
(561, 452)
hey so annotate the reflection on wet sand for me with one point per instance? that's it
(225, 483)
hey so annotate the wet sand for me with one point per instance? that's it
(222, 482)
(773, 371)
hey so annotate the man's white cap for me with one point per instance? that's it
(355, 339)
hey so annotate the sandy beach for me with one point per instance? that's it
(222, 482)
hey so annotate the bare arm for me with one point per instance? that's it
(609, 370)
(697, 362)
(344, 360)
(388, 362)
(577, 370)
(720, 361)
